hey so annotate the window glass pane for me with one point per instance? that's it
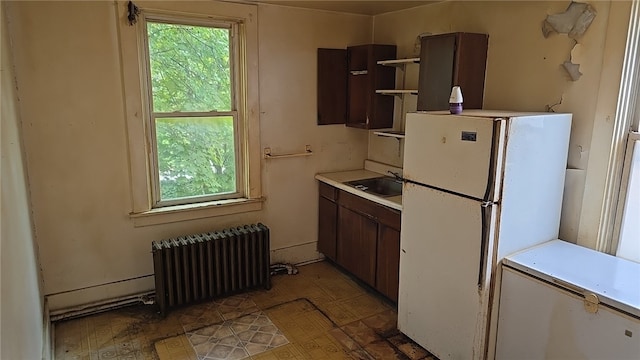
(190, 68)
(629, 243)
(196, 156)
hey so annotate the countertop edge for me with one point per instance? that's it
(337, 179)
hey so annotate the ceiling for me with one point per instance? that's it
(363, 7)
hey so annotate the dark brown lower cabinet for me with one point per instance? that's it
(327, 220)
(361, 236)
(357, 237)
(327, 230)
(388, 262)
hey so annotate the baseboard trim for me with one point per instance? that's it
(308, 262)
(102, 306)
(71, 299)
(297, 254)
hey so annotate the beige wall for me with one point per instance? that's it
(71, 91)
(288, 42)
(21, 300)
(524, 73)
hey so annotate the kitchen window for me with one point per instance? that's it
(191, 101)
(194, 119)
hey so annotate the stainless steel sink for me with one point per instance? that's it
(384, 186)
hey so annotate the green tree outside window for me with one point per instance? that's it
(191, 72)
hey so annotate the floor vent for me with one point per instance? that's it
(194, 268)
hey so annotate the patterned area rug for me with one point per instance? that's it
(296, 330)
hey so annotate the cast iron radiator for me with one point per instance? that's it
(194, 268)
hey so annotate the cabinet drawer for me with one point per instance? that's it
(389, 217)
(328, 191)
(358, 204)
(381, 213)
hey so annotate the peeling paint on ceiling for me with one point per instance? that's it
(572, 65)
(574, 21)
(572, 69)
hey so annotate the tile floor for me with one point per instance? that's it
(318, 314)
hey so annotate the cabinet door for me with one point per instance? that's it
(436, 72)
(327, 221)
(332, 86)
(388, 262)
(447, 60)
(470, 67)
(359, 85)
(357, 236)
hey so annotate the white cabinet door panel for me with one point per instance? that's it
(542, 321)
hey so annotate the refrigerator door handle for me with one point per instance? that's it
(493, 159)
(486, 218)
(487, 203)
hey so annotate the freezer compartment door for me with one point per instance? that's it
(542, 321)
(439, 303)
(449, 152)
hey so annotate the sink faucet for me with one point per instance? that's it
(396, 175)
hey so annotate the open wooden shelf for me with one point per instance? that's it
(397, 92)
(390, 133)
(399, 62)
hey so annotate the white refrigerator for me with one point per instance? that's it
(477, 186)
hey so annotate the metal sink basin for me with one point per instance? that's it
(384, 186)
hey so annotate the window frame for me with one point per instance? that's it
(624, 135)
(237, 98)
(136, 113)
(632, 137)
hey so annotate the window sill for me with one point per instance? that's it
(177, 213)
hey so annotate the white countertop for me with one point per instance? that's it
(338, 179)
(614, 280)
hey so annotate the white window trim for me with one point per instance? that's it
(137, 114)
(237, 100)
(627, 114)
(624, 187)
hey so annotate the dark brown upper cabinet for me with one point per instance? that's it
(332, 86)
(447, 60)
(366, 109)
(347, 84)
